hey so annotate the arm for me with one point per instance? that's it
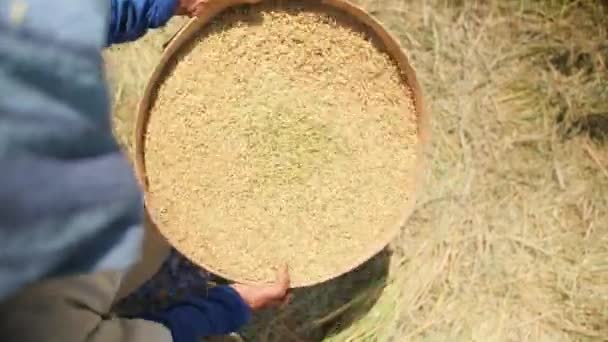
(78, 309)
(224, 310)
(130, 19)
(221, 312)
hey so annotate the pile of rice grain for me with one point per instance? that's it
(281, 135)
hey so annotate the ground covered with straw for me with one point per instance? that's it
(509, 241)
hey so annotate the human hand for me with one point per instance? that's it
(260, 297)
(195, 8)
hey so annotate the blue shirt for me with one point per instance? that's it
(221, 312)
(130, 19)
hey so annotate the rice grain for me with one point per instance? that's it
(281, 134)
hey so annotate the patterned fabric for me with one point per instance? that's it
(183, 297)
(176, 280)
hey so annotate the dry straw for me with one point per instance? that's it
(509, 241)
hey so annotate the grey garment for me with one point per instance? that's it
(69, 202)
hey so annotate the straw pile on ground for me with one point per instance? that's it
(509, 242)
(281, 135)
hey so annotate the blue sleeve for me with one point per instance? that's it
(69, 201)
(130, 19)
(221, 312)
